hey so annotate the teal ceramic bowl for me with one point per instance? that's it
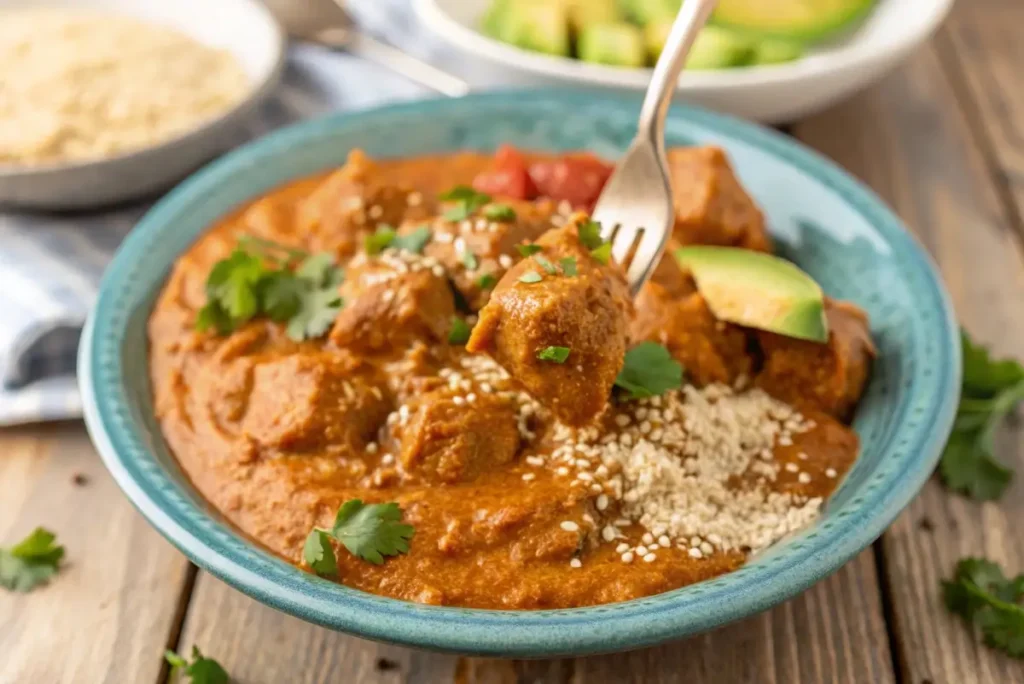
(824, 220)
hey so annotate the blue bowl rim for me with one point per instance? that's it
(578, 631)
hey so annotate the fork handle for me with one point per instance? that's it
(688, 23)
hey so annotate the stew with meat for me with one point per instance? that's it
(425, 378)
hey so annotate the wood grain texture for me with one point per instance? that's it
(983, 52)
(910, 140)
(108, 615)
(833, 633)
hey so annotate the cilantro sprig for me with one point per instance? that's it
(590, 236)
(368, 531)
(459, 332)
(263, 278)
(648, 370)
(487, 281)
(31, 562)
(989, 392)
(201, 670)
(387, 237)
(554, 354)
(500, 212)
(466, 199)
(984, 597)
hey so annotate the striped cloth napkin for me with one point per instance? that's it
(51, 264)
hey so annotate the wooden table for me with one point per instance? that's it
(942, 140)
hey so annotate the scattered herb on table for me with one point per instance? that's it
(486, 281)
(31, 562)
(548, 267)
(989, 392)
(500, 212)
(528, 249)
(466, 199)
(984, 597)
(201, 670)
(649, 370)
(368, 531)
(568, 265)
(459, 333)
(530, 277)
(555, 354)
(300, 290)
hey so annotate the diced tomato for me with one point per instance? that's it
(575, 178)
(508, 177)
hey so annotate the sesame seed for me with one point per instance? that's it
(622, 548)
(609, 533)
(706, 549)
(622, 420)
(438, 271)
(831, 473)
(627, 557)
(458, 401)
(641, 550)
(602, 502)
(505, 261)
(792, 468)
(576, 563)
(387, 459)
(695, 553)
(802, 456)
(569, 526)
(647, 538)
(804, 477)
(528, 476)
(371, 448)
(650, 558)
(585, 476)
(535, 461)
(563, 471)
(664, 542)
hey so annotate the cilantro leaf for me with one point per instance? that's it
(648, 370)
(201, 670)
(603, 253)
(990, 391)
(590, 234)
(500, 212)
(981, 595)
(555, 354)
(467, 200)
(530, 277)
(379, 240)
(546, 265)
(528, 249)
(459, 333)
(270, 250)
(372, 531)
(31, 562)
(413, 242)
(470, 261)
(317, 310)
(232, 285)
(568, 265)
(319, 554)
(486, 281)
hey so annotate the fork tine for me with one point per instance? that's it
(652, 242)
(622, 247)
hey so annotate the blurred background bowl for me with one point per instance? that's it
(770, 94)
(243, 27)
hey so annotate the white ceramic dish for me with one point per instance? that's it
(770, 94)
(244, 27)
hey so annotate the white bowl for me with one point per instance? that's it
(770, 94)
(243, 27)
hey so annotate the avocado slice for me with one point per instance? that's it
(582, 13)
(807, 20)
(757, 290)
(536, 25)
(616, 43)
(775, 51)
(644, 12)
(719, 48)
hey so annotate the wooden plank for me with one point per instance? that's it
(982, 50)
(909, 139)
(109, 614)
(833, 633)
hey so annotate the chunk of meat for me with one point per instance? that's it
(712, 208)
(391, 301)
(587, 313)
(827, 377)
(710, 350)
(450, 439)
(352, 202)
(508, 177)
(309, 402)
(491, 244)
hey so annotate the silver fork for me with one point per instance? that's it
(636, 203)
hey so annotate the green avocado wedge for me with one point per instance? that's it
(802, 20)
(757, 290)
(618, 44)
